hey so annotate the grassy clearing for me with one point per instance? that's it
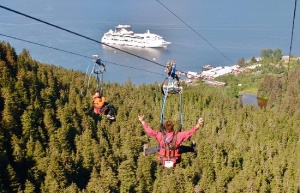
(249, 90)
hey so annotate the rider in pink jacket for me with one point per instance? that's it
(169, 133)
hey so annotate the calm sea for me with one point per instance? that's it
(222, 32)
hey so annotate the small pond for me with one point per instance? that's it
(252, 99)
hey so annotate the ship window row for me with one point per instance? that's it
(126, 40)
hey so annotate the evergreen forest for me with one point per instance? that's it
(51, 141)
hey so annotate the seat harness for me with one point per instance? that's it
(170, 156)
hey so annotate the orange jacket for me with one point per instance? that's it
(98, 102)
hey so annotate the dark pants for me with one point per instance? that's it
(181, 149)
(185, 149)
(152, 150)
(108, 109)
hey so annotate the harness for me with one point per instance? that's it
(169, 155)
(100, 104)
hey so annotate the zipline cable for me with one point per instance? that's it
(194, 31)
(291, 44)
(44, 46)
(73, 53)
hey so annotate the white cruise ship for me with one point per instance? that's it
(124, 36)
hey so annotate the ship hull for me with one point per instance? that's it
(123, 36)
(134, 44)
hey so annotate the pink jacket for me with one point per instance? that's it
(181, 136)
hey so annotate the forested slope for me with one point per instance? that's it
(50, 141)
(283, 91)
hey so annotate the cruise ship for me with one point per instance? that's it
(124, 36)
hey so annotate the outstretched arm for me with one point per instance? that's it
(187, 134)
(147, 128)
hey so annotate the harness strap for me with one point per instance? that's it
(100, 84)
(180, 113)
(164, 99)
(165, 95)
(171, 71)
(99, 68)
(173, 144)
(169, 146)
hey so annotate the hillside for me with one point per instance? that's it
(50, 141)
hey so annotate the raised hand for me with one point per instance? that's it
(200, 122)
(141, 117)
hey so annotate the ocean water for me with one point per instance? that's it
(216, 32)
